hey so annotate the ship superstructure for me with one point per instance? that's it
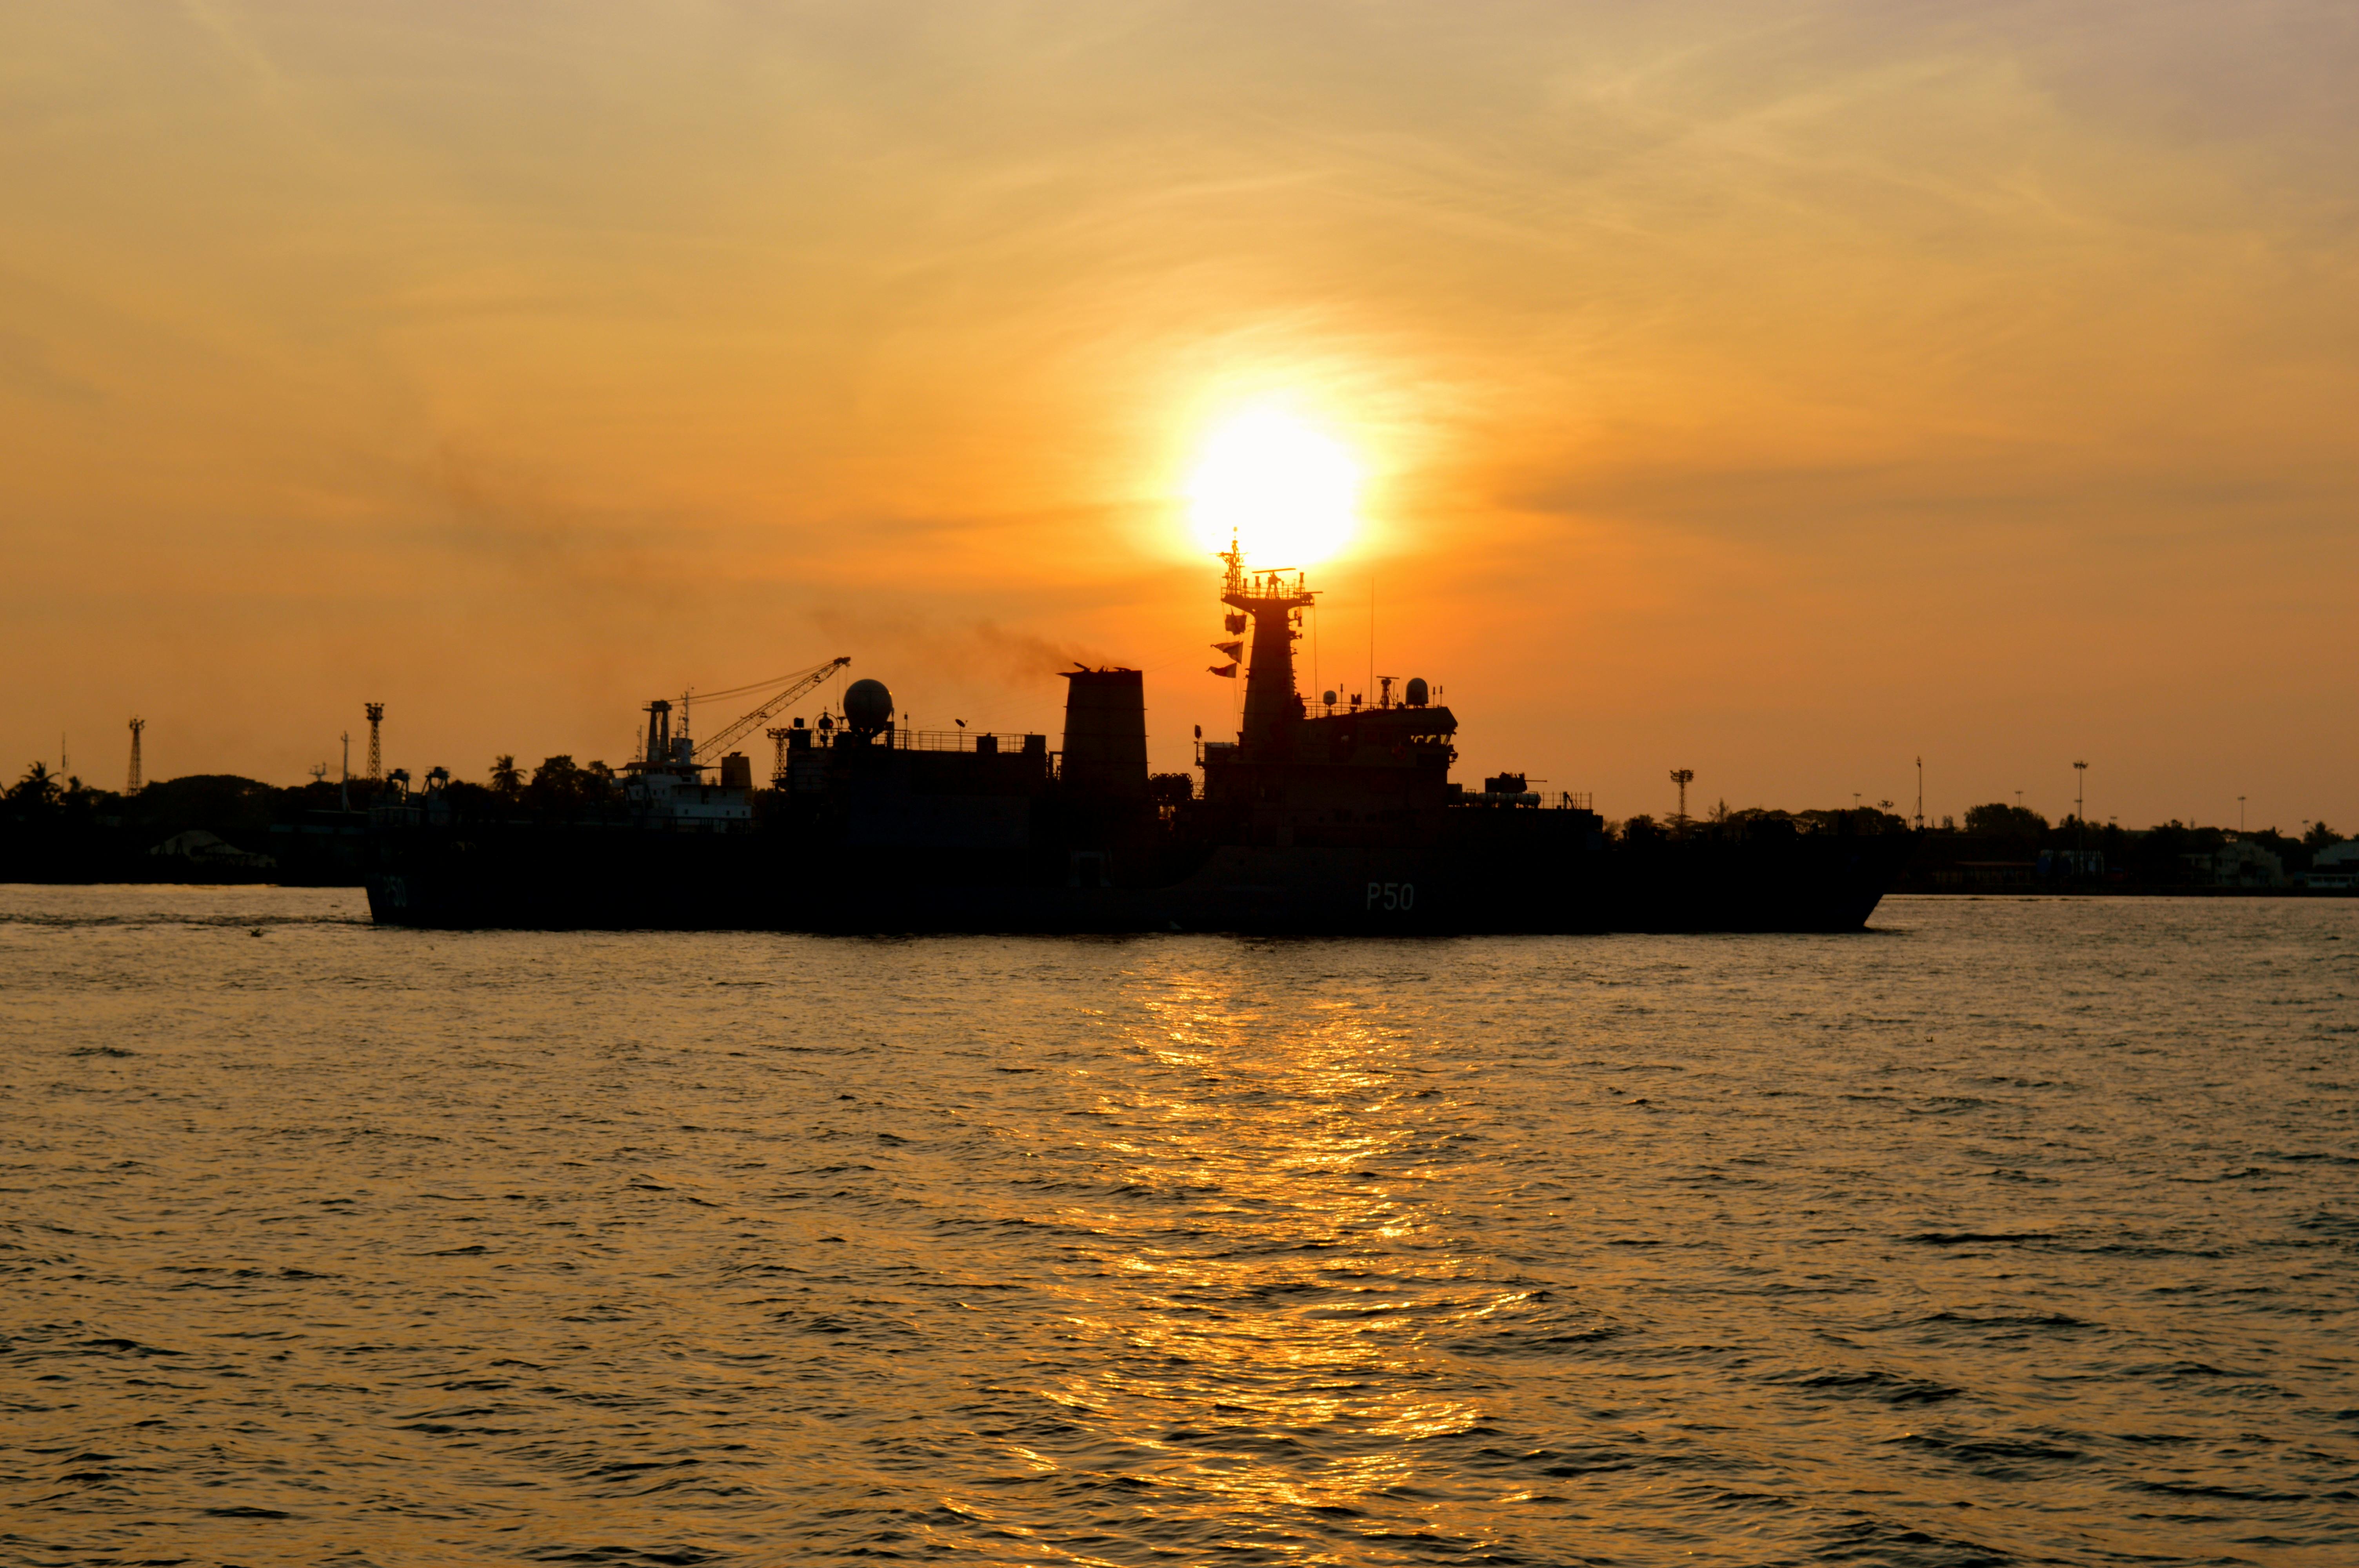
(1345, 772)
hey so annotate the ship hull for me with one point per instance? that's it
(560, 880)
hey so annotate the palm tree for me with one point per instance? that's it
(507, 777)
(36, 791)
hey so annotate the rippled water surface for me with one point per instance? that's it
(2010, 1231)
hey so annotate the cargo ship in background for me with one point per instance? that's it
(1338, 818)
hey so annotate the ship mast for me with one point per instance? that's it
(1276, 604)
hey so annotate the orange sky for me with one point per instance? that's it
(1781, 392)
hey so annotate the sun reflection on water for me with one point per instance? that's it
(1262, 1339)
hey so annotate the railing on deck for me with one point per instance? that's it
(900, 740)
(1529, 799)
(962, 740)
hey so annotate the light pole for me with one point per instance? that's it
(1682, 777)
(2080, 815)
(1920, 795)
(2239, 817)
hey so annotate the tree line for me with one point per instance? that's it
(55, 827)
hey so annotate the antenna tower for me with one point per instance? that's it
(377, 754)
(136, 726)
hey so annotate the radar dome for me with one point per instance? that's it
(1328, 698)
(867, 705)
(1417, 694)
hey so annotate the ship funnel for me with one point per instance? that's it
(1105, 733)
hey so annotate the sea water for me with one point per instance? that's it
(2007, 1231)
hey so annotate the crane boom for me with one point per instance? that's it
(797, 687)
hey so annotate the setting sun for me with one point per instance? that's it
(1289, 494)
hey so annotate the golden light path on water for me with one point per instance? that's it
(1305, 1176)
